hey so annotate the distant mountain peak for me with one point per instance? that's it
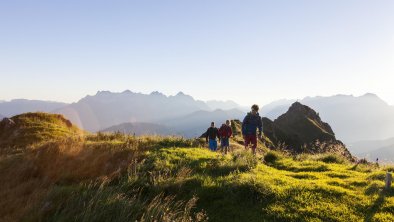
(371, 95)
(353, 118)
(103, 92)
(180, 93)
(157, 93)
(127, 91)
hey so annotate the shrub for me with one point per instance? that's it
(245, 159)
(271, 157)
(332, 158)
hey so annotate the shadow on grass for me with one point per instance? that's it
(214, 168)
(296, 169)
(304, 177)
(225, 170)
(378, 203)
(221, 202)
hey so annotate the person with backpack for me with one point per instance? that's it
(225, 133)
(211, 135)
(251, 123)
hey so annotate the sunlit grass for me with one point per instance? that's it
(117, 177)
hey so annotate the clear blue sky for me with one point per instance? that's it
(247, 51)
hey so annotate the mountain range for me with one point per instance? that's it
(19, 106)
(106, 109)
(372, 149)
(139, 129)
(225, 105)
(383, 154)
(127, 111)
(353, 118)
(192, 125)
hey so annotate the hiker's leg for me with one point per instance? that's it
(224, 145)
(211, 145)
(215, 145)
(254, 144)
(247, 141)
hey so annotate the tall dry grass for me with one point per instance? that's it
(27, 177)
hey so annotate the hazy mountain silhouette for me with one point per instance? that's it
(192, 125)
(225, 105)
(19, 106)
(276, 108)
(141, 129)
(365, 117)
(107, 109)
(372, 149)
(367, 146)
(385, 154)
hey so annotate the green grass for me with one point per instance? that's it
(33, 128)
(234, 187)
(117, 177)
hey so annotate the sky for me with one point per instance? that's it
(246, 51)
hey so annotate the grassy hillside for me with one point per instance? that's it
(32, 128)
(114, 177)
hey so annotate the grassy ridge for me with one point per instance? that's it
(116, 177)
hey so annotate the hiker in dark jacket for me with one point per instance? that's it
(250, 124)
(211, 135)
(225, 133)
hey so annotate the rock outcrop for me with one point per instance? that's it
(300, 130)
(7, 123)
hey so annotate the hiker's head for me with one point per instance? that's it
(212, 124)
(255, 109)
(228, 122)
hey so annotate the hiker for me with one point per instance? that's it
(225, 133)
(211, 134)
(250, 124)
